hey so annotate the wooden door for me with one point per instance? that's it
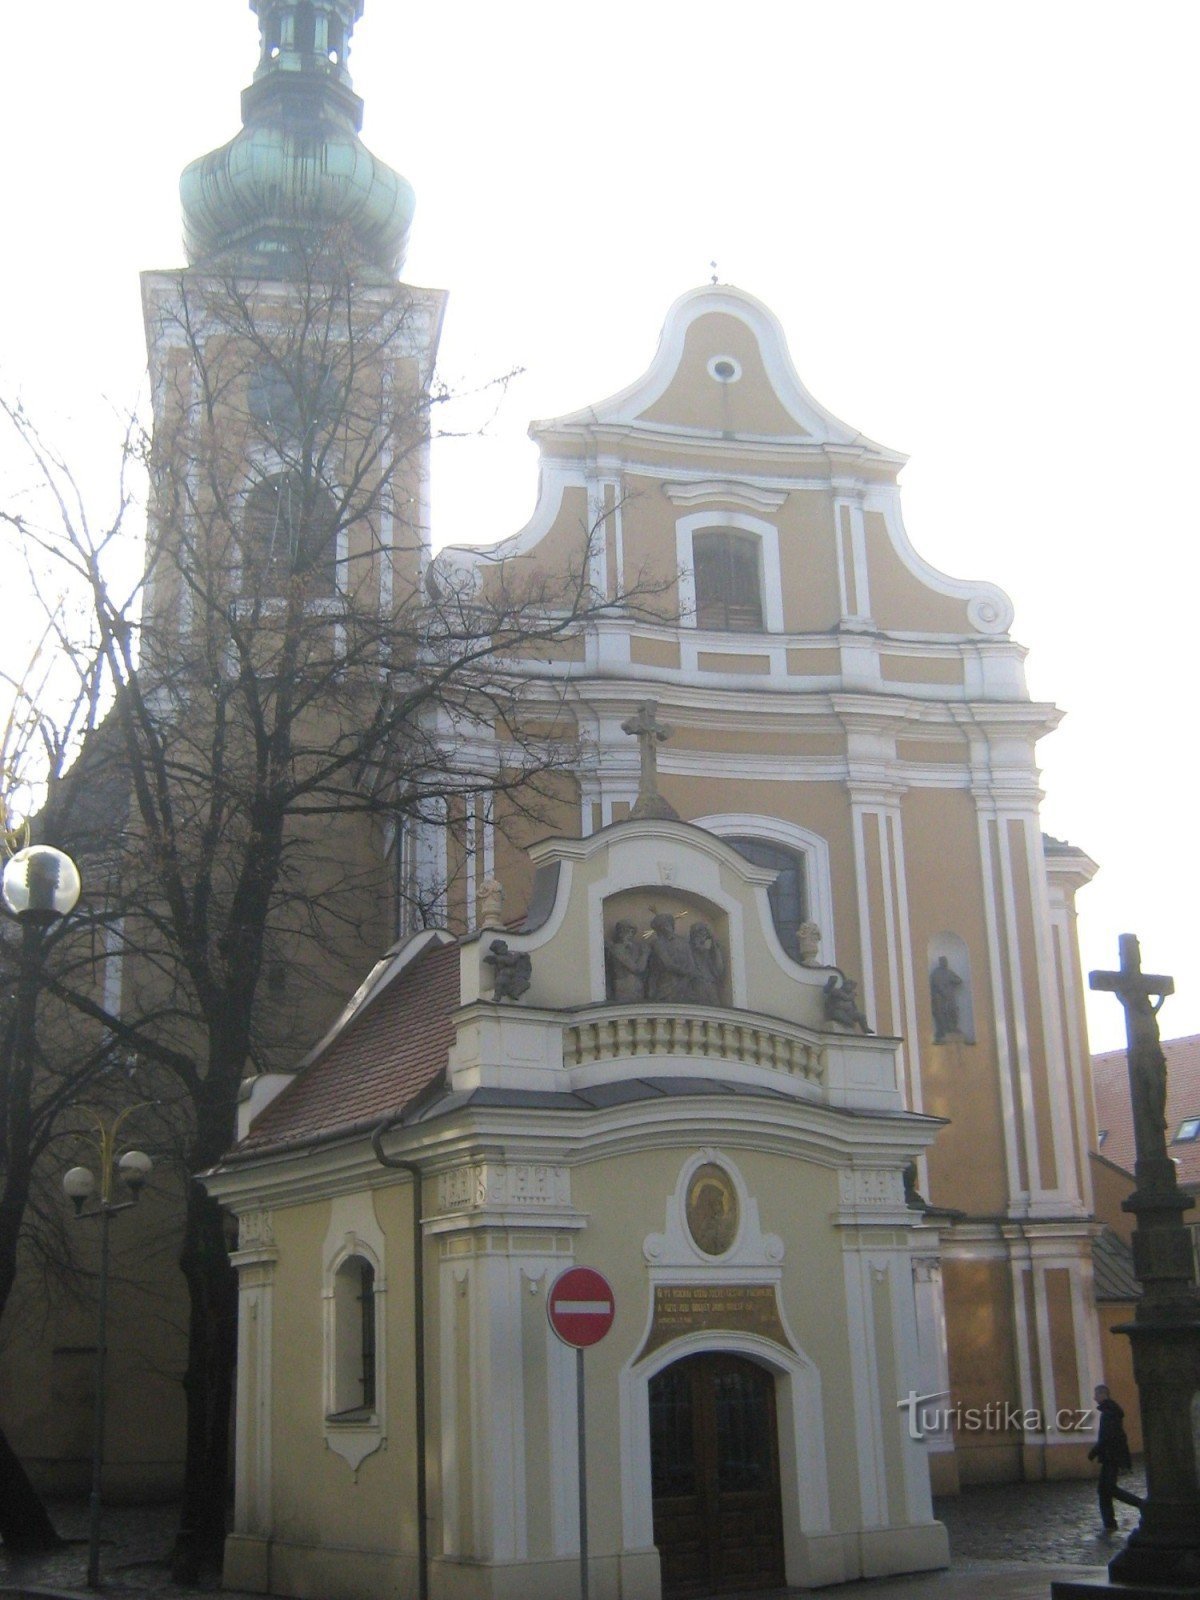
(714, 1459)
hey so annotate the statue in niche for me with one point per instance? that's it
(626, 958)
(672, 974)
(808, 942)
(840, 996)
(944, 984)
(513, 970)
(709, 959)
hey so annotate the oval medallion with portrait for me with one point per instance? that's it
(712, 1209)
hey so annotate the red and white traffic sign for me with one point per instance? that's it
(581, 1307)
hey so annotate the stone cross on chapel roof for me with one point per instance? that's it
(648, 731)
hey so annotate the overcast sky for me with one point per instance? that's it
(976, 223)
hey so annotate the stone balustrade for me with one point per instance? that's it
(624, 1032)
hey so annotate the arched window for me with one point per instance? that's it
(788, 894)
(354, 1353)
(290, 535)
(728, 580)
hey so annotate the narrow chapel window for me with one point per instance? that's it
(366, 1299)
(728, 587)
(355, 1354)
(788, 894)
(290, 533)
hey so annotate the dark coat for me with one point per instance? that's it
(1111, 1447)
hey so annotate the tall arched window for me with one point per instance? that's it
(354, 1355)
(788, 894)
(289, 535)
(728, 580)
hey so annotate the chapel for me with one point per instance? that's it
(775, 1020)
(835, 1167)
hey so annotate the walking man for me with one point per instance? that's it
(1111, 1449)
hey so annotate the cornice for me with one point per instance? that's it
(822, 1135)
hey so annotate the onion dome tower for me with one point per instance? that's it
(297, 173)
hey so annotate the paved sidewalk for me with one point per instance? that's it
(1006, 1544)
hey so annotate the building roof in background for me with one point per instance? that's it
(1114, 1113)
(391, 1052)
(1112, 1266)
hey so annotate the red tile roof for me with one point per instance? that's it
(1110, 1081)
(396, 1047)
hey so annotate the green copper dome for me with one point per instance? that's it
(297, 173)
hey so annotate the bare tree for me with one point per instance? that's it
(294, 678)
(47, 974)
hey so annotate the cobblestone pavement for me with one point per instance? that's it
(1003, 1543)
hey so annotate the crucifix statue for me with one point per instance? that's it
(1147, 1064)
(649, 732)
(1164, 1549)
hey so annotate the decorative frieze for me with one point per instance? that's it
(871, 1188)
(256, 1230)
(508, 1186)
(608, 1038)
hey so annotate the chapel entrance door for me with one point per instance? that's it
(714, 1463)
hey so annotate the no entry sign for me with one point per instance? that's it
(581, 1306)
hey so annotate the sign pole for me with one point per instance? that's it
(581, 1308)
(583, 1519)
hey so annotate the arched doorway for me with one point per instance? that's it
(714, 1461)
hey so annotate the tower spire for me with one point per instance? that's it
(297, 172)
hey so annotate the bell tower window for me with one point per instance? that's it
(728, 581)
(289, 534)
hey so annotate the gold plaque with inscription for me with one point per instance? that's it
(681, 1308)
(712, 1209)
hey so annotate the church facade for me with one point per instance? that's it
(776, 1021)
(847, 736)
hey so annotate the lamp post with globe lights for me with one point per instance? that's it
(133, 1167)
(39, 886)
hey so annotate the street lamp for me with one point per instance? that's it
(80, 1184)
(41, 885)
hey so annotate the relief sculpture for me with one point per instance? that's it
(662, 964)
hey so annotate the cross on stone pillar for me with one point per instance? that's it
(1164, 1549)
(649, 733)
(1147, 1064)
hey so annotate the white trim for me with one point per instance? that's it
(732, 362)
(1018, 1267)
(987, 815)
(816, 425)
(1068, 1183)
(114, 965)
(354, 1231)
(769, 575)
(869, 1451)
(989, 609)
(859, 811)
(1008, 890)
(740, 492)
(254, 1421)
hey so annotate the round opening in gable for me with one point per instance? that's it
(724, 369)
